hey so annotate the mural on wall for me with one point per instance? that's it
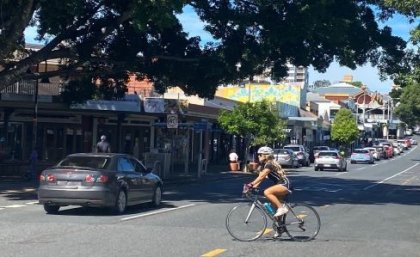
(287, 96)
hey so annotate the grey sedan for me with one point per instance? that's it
(99, 180)
(286, 157)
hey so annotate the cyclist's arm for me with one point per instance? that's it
(262, 175)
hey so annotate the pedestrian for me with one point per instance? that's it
(103, 146)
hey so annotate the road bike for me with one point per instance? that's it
(248, 221)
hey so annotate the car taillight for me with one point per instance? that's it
(299, 153)
(51, 178)
(102, 179)
(336, 157)
(89, 179)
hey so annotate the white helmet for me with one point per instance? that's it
(265, 150)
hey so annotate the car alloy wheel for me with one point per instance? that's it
(121, 202)
(157, 196)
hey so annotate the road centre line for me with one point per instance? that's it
(213, 253)
(380, 182)
(156, 212)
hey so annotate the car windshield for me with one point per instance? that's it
(361, 151)
(293, 148)
(95, 162)
(281, 151)
(321, 148)
(332, 154)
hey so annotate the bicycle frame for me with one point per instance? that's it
(279, 221)
(295, 222)
(253, 197)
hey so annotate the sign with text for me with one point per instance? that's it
(172, 121)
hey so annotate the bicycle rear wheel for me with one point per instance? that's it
(246, 222)
(302, 222)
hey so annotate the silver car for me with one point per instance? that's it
(330, 160)
(98, 180)
(286, 157)
(301, 152)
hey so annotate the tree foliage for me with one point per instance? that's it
(255, 121)
(344, 128)
(106, 39)
(358, 84)
(408, 109)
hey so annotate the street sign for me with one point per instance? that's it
(172, 121)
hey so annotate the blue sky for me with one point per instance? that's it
(367, 74)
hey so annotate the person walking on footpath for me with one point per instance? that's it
(103, 146)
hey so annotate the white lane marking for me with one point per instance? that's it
(382, 181)
(1, 208)
(156, 212)
(30, 203)
(13, 206)
(375, 165)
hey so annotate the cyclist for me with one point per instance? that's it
(269, 168)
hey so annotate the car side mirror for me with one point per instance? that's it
(148, 170)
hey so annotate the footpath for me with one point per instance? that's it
(15, 191)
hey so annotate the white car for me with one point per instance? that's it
(330, 160)
(375, 153)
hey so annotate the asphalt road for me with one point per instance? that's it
(371, 210)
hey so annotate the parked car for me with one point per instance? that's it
(389, 150)
(395, 144)
(381, 151)
(375, 152)
(403, 142)
(316, 149)
(99, 180)
(330, 160)
(361, 155)
(286, 157)
(301, 153)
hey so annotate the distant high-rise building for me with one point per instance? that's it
(297, 74)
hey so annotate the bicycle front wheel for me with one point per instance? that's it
(246, 222)
(302, 222)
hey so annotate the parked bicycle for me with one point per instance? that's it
(248, 221)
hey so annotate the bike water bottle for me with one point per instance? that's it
(269, 208)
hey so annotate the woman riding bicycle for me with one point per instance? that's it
(269, 168)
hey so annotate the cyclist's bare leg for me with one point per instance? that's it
(275, 194)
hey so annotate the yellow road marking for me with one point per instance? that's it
(268, 230)
(301, 216)
(214, 252)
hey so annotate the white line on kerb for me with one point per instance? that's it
(156, 212)
(380, 182)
